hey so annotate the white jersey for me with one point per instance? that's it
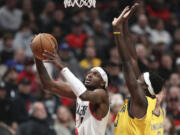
(86, 122)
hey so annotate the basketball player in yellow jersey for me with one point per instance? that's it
(158, 115)
(136, 115)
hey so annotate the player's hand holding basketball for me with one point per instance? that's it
(53, 58)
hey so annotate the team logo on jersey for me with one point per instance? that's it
(123, 109)
(81, 110)
(117, 119)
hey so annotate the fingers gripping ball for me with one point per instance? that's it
(41, 42)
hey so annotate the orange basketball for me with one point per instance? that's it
(41, 42)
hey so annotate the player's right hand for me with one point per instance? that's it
(53, 58)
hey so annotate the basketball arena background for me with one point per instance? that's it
(85, 40)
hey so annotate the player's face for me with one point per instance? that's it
(93, 79)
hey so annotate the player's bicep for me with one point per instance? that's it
(62, 89)
(96, 96)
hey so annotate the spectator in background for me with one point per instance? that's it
(174, 79)
(157, 8)
(173, 24)
(26, 6)
(159, 34)
(67, 56)
(10, 80)
(64, 124)
(100, 36)
(23, 100)
(38, 124)
(90, 59)
(60, 21)
(177, 35)
(142, 27)
(23, 38)
(29, 17)
(93, 16)
(111, 11)
(115, 77)
(176, 51)
(153, 63)
(114, 55)
(110, 125)
(18, 60)
(8, 52)
(116, 103)
(158, 50)
(8, 112)
(173, 103)
(178, 65)
(169, 127)
(166, 68)
(142, 57)
(77, 38)
(50, 102)
(28, 71)
(10, 16)
(46, 16)
(57, 32)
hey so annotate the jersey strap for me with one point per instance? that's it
(90, 108)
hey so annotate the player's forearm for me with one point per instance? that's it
(43, 74)
(61, 89)
(128, 40)
(77, 86)
(119, 41)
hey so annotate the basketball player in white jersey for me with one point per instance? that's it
(92, 108)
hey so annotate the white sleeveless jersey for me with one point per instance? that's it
(86, 122)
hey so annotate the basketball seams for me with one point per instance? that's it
(55, 42)
(41, 44)
(48, 40)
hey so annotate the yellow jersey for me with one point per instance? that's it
(125, 124)
(157, 122)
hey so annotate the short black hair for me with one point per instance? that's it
(156, 82)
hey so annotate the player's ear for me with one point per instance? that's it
(102, 83)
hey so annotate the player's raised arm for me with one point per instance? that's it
(138, 102)
(128, 39)
(60, 88)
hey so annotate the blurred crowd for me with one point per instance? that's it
(85, 40)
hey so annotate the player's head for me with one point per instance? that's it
(96, 78)
(151, 82)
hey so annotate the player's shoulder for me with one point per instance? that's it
(101, 91)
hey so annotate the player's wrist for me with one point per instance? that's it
(117, 29)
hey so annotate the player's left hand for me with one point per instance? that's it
(129, 13)
(125, 15)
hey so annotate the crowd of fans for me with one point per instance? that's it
(85, 40)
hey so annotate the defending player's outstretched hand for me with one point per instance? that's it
(125, 15)
(119, 20)
(53, 58)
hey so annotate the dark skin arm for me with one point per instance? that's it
(138, 101)
(128, 40)
(60, 88)
(97, 97)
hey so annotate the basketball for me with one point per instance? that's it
(41, 42)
